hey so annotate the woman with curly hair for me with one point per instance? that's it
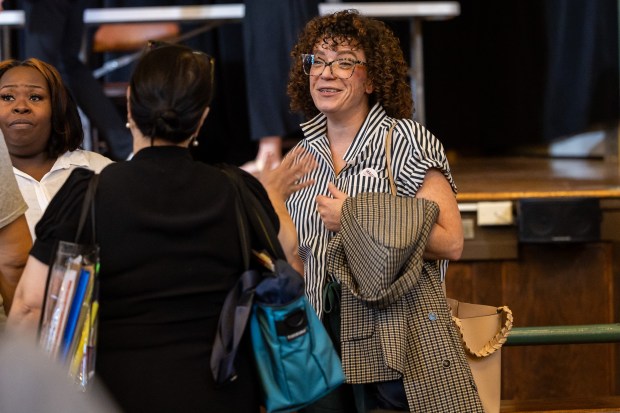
(43, 132)
(349, 78)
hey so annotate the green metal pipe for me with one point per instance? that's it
(577, 334)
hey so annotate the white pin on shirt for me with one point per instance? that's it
(369, 172)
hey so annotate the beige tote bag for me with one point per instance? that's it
(484, 329)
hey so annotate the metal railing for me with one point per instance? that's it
(571, 334)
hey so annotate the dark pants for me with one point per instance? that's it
(360, 398)
(341, 400)
(384, 396)
(363, 398)
(270, 31)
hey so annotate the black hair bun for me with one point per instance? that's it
(168, 120)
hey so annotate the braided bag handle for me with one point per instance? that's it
(496, 342)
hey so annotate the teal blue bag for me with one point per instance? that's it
(296, 360)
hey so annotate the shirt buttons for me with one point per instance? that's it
(445, 363)
(432, 316)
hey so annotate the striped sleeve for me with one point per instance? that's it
(415, 151)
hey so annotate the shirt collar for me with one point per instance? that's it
(316, 127)
(315, 132)
(65, 161)
(69, 159)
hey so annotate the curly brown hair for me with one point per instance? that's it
(385, 62)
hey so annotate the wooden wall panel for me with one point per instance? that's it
(549, 284)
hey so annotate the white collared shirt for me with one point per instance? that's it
(38, 194)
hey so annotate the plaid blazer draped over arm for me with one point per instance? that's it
(395, 322)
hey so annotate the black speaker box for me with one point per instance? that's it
(559, 220)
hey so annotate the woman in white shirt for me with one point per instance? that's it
(43, 132)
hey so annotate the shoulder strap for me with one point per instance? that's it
(88, 207)
(242, 224)
(388, 158)
(238, 303)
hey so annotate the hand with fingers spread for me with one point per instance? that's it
(330, 208)
(289, 176)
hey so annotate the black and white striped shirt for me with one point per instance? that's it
(414, 151)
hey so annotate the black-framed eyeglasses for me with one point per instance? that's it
(340, 68)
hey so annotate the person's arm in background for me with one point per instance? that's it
(29, 295)
(287, 234)
(15, 239)
(15, 243)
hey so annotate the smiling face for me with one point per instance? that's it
(341, 98)
(25, 111)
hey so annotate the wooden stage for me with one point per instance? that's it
(513, 178)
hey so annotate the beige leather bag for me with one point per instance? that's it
(484, 329)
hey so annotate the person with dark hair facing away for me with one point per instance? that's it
(169, 245)
(43, 132)
(349, 79)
